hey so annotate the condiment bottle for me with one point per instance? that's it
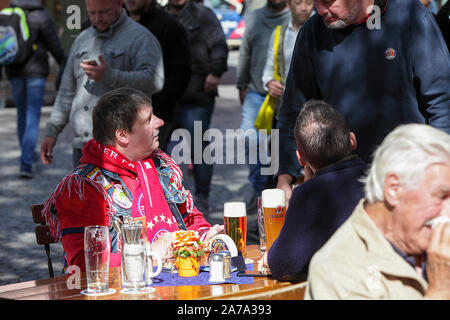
(216, 268)
(226, 263)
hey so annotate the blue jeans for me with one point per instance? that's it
(28, 95)
(250, 109)
(186, 115)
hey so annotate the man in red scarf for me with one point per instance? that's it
(123, 172)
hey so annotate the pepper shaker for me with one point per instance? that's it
(216, 268)
(226, 263)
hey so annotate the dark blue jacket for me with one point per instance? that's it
(176, 56)
(378, 79)
(208, 47)
(316, 210)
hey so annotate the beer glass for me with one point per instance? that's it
(97, 248)
(274, 210)
(136, 263)
(261, 231)
(133, 268)
(235, 224)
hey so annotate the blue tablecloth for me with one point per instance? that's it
(166, 279)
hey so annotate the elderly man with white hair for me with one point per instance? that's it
(382, 250)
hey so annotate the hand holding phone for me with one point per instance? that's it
(94, 70)
(90, 62)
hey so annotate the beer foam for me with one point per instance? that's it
(234, 209)
(273, 198)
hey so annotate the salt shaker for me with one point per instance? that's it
(226, 263)
(216, 268)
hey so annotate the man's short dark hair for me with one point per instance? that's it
(322, 134)
(117, 109)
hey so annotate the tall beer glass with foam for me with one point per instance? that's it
(235, 223)
(274, 210)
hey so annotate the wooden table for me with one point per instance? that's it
(57, 289)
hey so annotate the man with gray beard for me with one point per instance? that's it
(379, 63)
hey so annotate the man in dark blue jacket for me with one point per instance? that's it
(209, 54)
(380, 66)
(176, 57)
(327, 197)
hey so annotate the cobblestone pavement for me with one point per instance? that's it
(21, 259)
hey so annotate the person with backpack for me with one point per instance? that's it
(28, 78)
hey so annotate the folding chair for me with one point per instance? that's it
(42, 231)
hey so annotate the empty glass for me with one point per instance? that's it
(97, 248)
(262, 232)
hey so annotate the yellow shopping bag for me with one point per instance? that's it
(264, 119)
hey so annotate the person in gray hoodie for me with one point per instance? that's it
(252, 59)
(113, 52)
(28, 79)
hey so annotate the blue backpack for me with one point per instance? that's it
(15, 43)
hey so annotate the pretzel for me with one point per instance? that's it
(185, 238)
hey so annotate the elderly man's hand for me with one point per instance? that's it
(94, 71)
(438, 262)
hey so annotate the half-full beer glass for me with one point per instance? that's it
(97, 248)
(274, 210)
(235, 223)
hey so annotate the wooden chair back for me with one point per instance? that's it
(42, 231)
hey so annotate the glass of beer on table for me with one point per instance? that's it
(274, 210)
(235, 224)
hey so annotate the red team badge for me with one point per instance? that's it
(390, 54)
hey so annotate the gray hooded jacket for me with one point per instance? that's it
(134, 60)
